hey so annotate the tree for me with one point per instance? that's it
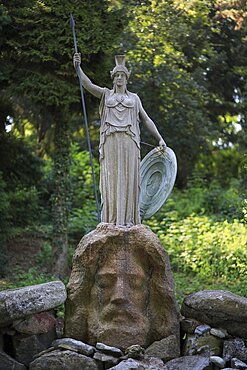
(183, 55)
(37, 49)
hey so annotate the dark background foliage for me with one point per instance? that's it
(188, 62)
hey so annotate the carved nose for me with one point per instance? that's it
(119, 292)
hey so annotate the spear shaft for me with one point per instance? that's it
(72, 23)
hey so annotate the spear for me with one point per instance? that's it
(72, 23)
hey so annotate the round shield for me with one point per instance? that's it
(158, 173)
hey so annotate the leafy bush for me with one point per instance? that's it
(81, 221)
(226, 202)
(81, 176)
(223, 164)
(31, 277)
(24, 206)
(201, 198)
(44, 258)
(83, 215)
(187, 283)
(203, 246)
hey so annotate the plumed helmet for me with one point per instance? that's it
(120, 66)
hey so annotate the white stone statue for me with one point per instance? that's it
(121, 112)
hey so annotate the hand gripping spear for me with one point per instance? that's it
(72, 23)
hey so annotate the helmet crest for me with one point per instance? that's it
(120, 66)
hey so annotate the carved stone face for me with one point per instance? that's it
(120, 79)
(118, 307)
(121, 289)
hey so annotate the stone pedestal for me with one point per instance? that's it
(121, 289)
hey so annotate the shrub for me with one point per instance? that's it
(24, 207)
(201, 198)
(210, 249)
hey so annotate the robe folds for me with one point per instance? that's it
(120, 158)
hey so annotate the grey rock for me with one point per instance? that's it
(236, 363)
(59, 327)
(189, 363)
(8, 330)
(188, 325)
(8, 363)
(204, 345)
(63, 360)
(28, 346)
(129, 364)
(74, 345)
(153, 363)
(220, 362)
(218, 308)
(165, 349)
(38, 323)
(19, 303)
(235, 348)
(109, 350)
(202, 329)
(147, 364)
(107, 360)
(135, 351)
(50, 349)
(220, 333)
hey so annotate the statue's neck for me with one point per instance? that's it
(120, 89)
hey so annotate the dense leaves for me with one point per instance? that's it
(39, 82)
(188, 62)
(183, 55)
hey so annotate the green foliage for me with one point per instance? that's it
(82, 220)
(158, 33)
(18, 164)
(202, 198)
(188, 65)
(187, 283)
(225, 202)
(39, 54)
(83, 215)
(81, 175)
(222, 164)
(31, 277)
(183, 57)
(4, 224)
(211, 249)
(203, 229)
(44, 258)
(24, 206)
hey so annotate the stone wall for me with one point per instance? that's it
(28, 322)
(213, 331)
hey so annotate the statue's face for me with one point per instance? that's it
(120, 79)
(119, 301)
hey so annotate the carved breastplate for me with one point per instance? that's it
(119, 101)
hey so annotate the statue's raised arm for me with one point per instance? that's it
(86, 82)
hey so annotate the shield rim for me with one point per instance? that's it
(149, 160)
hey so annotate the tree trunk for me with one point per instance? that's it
(61, 199)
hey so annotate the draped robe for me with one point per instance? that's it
(120, 158)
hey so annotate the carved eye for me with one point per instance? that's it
(105, 282)
(137, 282)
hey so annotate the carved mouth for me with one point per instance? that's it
(118, 316)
